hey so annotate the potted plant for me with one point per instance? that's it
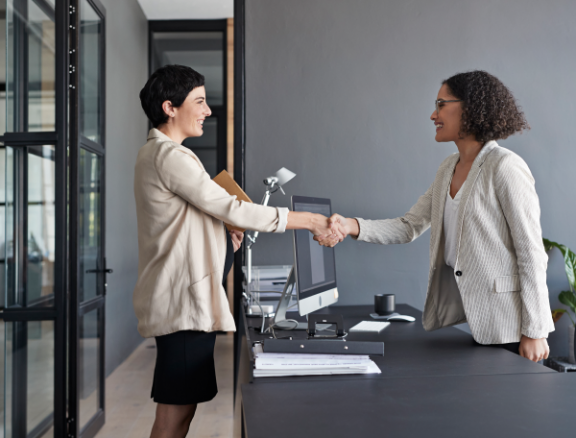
(567, 297)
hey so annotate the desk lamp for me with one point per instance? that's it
(273, 184)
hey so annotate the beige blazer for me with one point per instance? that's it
(182, 240)
(499, 282)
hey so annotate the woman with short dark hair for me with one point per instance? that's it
(487, 259)
(184, 251)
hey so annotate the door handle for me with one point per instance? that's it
(95, 271)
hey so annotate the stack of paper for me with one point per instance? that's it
(287, 364)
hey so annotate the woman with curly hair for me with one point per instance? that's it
(487, 260)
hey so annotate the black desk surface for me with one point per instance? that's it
(432, 384)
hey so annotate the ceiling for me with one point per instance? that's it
(187, 9)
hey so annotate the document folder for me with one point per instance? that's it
(224, 180)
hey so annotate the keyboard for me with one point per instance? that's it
(370, 326)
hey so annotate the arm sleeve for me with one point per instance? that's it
(183, 175)
(402, 229)
(517, 196)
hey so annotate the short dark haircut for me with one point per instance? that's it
(171, 82)
(489, 110)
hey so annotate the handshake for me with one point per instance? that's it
(333, 230)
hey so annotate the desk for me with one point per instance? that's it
(432, 384)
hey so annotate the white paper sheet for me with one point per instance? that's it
(286, 364)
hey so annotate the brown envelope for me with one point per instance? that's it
(224, 180)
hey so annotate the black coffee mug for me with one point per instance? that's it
(384, 304)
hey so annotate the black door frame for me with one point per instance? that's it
(239, 159)
(78, 309)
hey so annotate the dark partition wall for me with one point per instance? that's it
(239, 162)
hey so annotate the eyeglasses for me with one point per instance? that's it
(439, 101)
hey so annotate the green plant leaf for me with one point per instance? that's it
(560, 310)
(569, 260)
(557, 314)
(568, 299)
(548, 244)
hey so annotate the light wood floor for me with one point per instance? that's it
(130, 410)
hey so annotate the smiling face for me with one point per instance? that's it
(447, 120)
(189, 117)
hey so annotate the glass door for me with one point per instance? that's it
(87, 193)
(52, 265)
(33, 218)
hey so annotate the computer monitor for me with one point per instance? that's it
(314, 272)
(315, 265)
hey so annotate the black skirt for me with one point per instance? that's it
(185, 373)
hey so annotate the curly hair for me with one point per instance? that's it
(489, 110)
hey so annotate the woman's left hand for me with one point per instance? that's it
(237, 238)
(534, 349)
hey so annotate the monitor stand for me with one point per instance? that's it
(279, 320)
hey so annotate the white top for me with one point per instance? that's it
(451, 226)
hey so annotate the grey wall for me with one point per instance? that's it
(126, 130)
(341, 92)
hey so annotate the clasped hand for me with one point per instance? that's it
(336, 231)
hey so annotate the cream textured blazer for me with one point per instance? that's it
(182, 240)
(499, 282)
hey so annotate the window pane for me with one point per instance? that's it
(29, 378)
(30, 85)
(88, 363)
(89, 226)
(29, 251)
(203, 51)
(2, 70)
(2, 230)
(11, 296)
(41, 69)
(90, 54)
(41, 224)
